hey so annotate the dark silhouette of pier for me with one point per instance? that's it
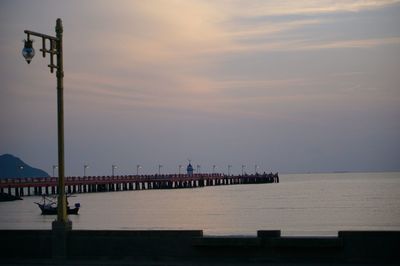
(75, 184)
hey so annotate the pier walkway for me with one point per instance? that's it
(38, 186)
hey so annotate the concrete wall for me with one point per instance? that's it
(186, 246)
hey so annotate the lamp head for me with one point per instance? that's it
(28, 52)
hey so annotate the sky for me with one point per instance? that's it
(283, 86)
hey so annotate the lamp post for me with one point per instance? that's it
(159, 169)
(113, 167)
(255, 169)
(243, 166)
(54, 168)
(198, 168)
(20, 169)
(180, 168)
(85, 166)
(137, 169)
(56, 48)
(214, 166)
(229, 169)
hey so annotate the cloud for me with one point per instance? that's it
(270, 28)
(179, 34)
(362, 43)
(243, 8)
(310, 44)
(155, 54)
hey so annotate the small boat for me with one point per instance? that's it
(8, 197)
(48, 206)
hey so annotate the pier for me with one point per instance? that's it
(48, 185)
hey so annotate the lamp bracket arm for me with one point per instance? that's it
(37, 34)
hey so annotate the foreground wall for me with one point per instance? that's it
(185, 246)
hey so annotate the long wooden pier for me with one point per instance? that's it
(48, 185)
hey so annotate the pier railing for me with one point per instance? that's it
(79, 184)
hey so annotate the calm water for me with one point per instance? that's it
(309, 204)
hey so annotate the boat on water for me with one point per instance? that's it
(8, 197)
(48, 206)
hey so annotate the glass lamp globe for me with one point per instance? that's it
(28, 52)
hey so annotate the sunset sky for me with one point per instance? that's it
(290, 86)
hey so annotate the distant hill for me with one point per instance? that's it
(14, 167)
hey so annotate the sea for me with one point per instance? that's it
(301, 204)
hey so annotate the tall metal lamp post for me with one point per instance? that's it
(198, 168)
(54, 46)
(113, 167)
(85, 166)
(180, 168)
(159, 169)
(54, 168)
